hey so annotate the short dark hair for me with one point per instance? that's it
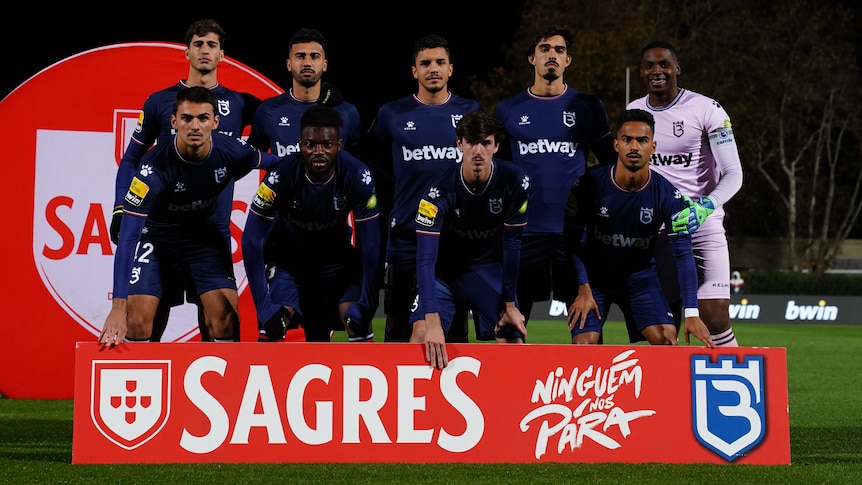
(204, 27)
(660, 44)
(430, 41)
(321, 115)
(477, 125)
(197, 95)
(636, 115)
(548, 32)
(307, 34)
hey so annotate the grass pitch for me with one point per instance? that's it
(823, 363)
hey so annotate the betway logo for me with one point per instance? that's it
(194, 206)
(430, 152)
(678, 159)
(548, 146)
(284, 150)
(622, 241)
(810, 312)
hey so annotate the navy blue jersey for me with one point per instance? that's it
(313, 228)
(423, 143)
(235, 111)
(170, 195)
(466, 228)
(618, 229)
(276, 124)
(550, 138)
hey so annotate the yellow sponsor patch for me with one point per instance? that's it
(139, 188)
(427, 209)
(140, 122)
(523, 209)
(372, 202)
(426, 213)
(264, 197)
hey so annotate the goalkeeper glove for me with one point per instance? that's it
(116, 218)
(329, 95)
(689, 220)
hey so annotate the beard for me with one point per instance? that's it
(551, 76)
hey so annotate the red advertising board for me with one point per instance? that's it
(64, 131)
(201, 402)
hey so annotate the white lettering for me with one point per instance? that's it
(208, 404)
(258, 387)
(368, 411)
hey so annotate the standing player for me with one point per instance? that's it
(697, 154)
(419, 132)
(276, 122)
(468, 225)
(171, 221)
(318, 273)
(553, 127)
(204, 50)
(613, 217)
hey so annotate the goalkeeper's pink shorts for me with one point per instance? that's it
(711, 256)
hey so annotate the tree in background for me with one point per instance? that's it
(788, 73)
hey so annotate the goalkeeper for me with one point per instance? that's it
(697, 152)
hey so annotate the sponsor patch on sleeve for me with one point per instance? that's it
(264, 197)
(426, 213)
(140, 124)
(523, 209)
(138, 190)
(371, 203)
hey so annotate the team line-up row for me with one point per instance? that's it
(458, 213)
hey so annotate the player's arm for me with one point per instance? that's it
(574, 227)
(512, 315)
(602, 142)
(258, 227)
(116, 325)
(427, 246)
(728, 164)
(368, 240)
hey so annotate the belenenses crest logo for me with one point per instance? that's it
(728, 404)
(131, 399)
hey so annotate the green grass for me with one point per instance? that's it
(823, 364)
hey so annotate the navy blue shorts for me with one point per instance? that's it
(479, 287)
(167, 262)
(640, 296)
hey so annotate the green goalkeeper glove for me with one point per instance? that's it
(691, 218)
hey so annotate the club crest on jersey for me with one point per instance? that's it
(569, 118)
(678, 129)
(455, 119)
(223, 107)
(495, 205)
(646, 215)
(130, 403)
(728, 404)
(220, 174)
(339, 202)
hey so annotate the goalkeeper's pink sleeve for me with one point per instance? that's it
(728, 164)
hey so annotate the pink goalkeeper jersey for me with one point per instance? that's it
(683, 154)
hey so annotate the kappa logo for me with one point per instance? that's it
(728, 404)
(131, 399)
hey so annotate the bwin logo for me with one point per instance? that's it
(809, 312)
(744, 311)
(728, 404)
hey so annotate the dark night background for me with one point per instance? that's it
(369, 60)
